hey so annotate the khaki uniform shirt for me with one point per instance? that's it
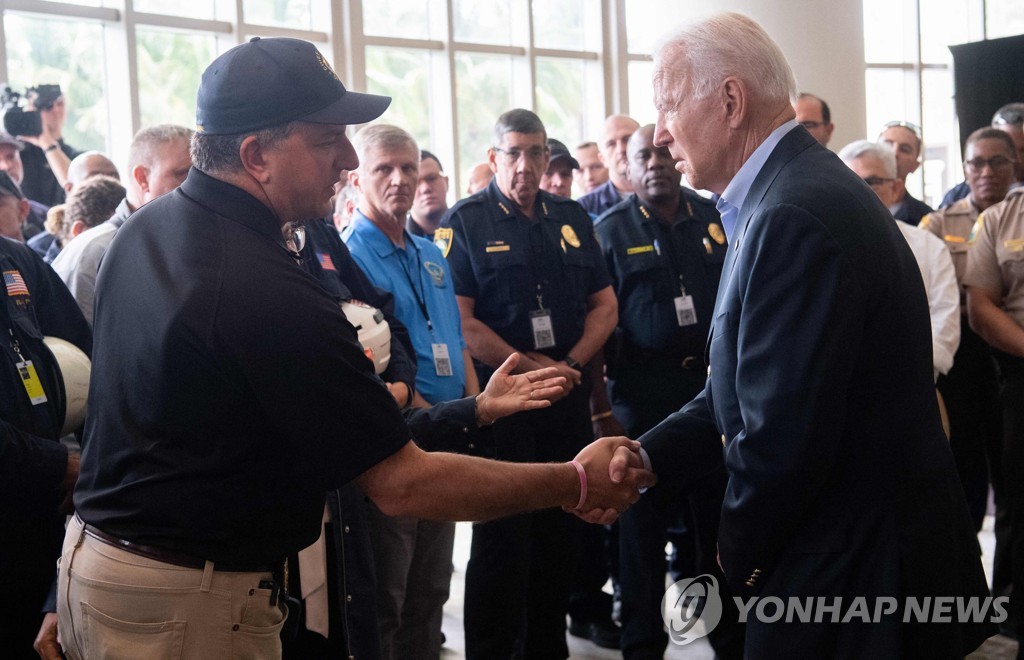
(953, 225)
(996, 260)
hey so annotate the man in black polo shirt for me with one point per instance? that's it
(230, 393)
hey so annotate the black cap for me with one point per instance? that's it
(559, 150)
(9, 187)
(269, 82)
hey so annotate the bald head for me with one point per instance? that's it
(651, 170)
(88, 164)
(479, 176)
(617, 131)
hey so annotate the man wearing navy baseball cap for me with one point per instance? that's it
(229, 393)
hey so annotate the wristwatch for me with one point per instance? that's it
(573, 364)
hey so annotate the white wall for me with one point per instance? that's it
(823, 40)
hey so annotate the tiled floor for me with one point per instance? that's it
(997, 648)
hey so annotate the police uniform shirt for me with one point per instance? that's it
(996, 259)
(228, 390)
(327, 258)
(418, 277)
(35, 304)
(652, 263)
(600, 199)
(512, 266)
(953, 225)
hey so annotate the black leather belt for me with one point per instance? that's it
(170, 557)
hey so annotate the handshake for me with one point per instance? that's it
(612, 475)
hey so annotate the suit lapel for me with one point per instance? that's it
(793, 143)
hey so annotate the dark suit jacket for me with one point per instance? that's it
(841, 481)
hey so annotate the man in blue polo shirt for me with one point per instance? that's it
(413, 556)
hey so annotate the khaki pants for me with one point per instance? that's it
(114, 604)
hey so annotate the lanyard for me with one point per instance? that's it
(418, 293)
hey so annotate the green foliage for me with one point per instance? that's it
(170, 65)
(47, 51)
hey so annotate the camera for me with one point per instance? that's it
(17, 120)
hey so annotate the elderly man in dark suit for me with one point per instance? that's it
(820, 396)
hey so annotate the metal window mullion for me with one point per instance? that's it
(63, 9)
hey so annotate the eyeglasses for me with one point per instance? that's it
(875, 181)
(811, 125)
(995, 162)
(512, 156)
(1008, 117)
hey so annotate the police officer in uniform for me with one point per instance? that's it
(664, 246)
(528, 277)
(970, 388)
(36, 470)
(995, 303)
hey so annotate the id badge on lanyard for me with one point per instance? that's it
(543, 329)
(686, 311)
(442, 361)
(28, 375)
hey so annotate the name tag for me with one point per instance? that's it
(442, 361)
(498, 248)
(30, 379)
(1014, 244)
(543, 331)
(686, 312)
(950, 238)
(640, 249)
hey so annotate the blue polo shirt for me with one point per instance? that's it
(420, 265)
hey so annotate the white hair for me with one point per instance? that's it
(382, 136)
(727, 44)
(867, 148)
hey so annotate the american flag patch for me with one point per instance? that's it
(15, 284)
(325, 261)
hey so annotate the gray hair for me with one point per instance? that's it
(146, 141)
(517, 120)
(727, 44)
(385, 137)
(862, 148)
(219, 153)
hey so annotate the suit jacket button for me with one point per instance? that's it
(723, 439)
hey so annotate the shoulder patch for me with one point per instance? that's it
(976, 229)
(443, 240)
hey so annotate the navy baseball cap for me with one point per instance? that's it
(559, 150)
(269, 82)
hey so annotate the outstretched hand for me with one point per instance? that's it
(615, 474)
(507, 393)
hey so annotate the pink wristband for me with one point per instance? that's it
(583, 484)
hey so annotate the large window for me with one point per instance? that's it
(909, 73)
(454, 66)
(44, 51)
